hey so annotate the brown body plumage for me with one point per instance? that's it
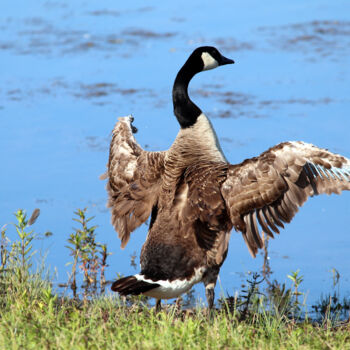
(195, 197)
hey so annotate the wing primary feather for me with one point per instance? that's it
(333, 173)
(262, 222)
(330, 173)
(282, 213)
(252, 253)
(275, 216)
(338, 173)
(255, 229)
(311, 170)
(288, 211)
(307, 171)
(290, 203)
(316, 168)
(321, 169)
(269, 219)
(295, 195)
(345, 174)
(250, 238)
(311, 175)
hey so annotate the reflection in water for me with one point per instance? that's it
(266, 269)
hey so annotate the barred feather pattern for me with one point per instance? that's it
(266, 191)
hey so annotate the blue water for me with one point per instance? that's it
(69, 69)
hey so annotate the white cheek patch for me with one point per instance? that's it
(209, 61)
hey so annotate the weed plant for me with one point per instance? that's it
(88, 255)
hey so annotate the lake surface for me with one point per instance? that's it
(69, 69)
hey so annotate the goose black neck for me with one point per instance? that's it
(185, 110)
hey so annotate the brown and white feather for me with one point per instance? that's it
(268, 190)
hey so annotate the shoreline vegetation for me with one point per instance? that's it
(80, 314)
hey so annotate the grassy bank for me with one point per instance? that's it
(29, 322)
(35, 316)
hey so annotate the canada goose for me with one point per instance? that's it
(195, 197)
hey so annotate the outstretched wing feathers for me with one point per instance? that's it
(267, 191)
(134, 177)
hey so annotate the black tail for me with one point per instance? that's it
(131, 285)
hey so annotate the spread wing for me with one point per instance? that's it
(134, 178)
(267, 191)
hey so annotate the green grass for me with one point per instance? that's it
(34, 316)
(31, 319)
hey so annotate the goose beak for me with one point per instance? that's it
(225, 60)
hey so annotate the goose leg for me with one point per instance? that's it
(209, 281)
(158, 305)
(210, 294)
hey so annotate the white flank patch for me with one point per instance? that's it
(209, 61)
(172, 289)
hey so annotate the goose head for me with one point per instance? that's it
(207, 57)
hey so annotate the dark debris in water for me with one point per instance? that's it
(97, 144)
(147, 34)
(100, 93)
(35, 21)
(239, 103)
(178, 19)
(38, 36)
(43, 201)
(243, 105)
(145, 9)
(224, 44)
(230, 44)
(227, 97)
(236, 143)
(105, 12)
(235, 114)
(229, 104)
(98, 90)
(113, 13)
(317, 39)
(99, 205)
(55, 4)
(302, 101)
